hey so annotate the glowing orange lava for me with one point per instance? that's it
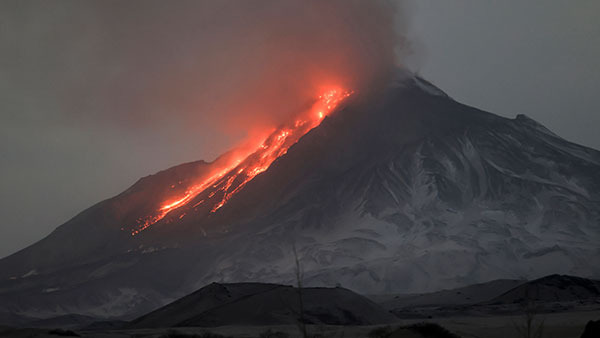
(221, 186)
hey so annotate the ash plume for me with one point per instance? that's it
(100, 93)
(234, 66)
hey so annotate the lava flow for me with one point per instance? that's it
(220, 187)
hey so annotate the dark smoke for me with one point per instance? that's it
(229, 65)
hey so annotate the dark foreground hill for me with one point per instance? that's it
(471, 294)
(553, 288)
(253, 309)
(265, 304)
(554, 293)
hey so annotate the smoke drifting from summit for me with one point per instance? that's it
(229, 65)
(95, 94)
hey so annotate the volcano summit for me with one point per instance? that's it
(403, 191)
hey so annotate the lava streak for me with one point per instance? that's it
(218, 188)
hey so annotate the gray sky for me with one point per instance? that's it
(86, 109)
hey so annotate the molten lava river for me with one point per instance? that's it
(219, 187)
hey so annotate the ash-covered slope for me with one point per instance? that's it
(422, 193)
(89, 265)
(403, 191)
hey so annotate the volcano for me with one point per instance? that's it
(403, 191)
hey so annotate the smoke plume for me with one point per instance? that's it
(230, 66)
(95, 94)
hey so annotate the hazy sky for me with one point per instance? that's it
(82, 114)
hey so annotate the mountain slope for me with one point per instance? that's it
(403, 191)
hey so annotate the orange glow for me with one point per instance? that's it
(228, 180)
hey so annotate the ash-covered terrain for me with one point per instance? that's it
(401, 191)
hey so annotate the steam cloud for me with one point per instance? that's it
(231, 65)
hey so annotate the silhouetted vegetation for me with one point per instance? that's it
(531, 326)
(63, 333)
(431, 330)
(273, 334)
(299, 278)
(381, 332)
(592, 329)
(427, 330)
(178, 334)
